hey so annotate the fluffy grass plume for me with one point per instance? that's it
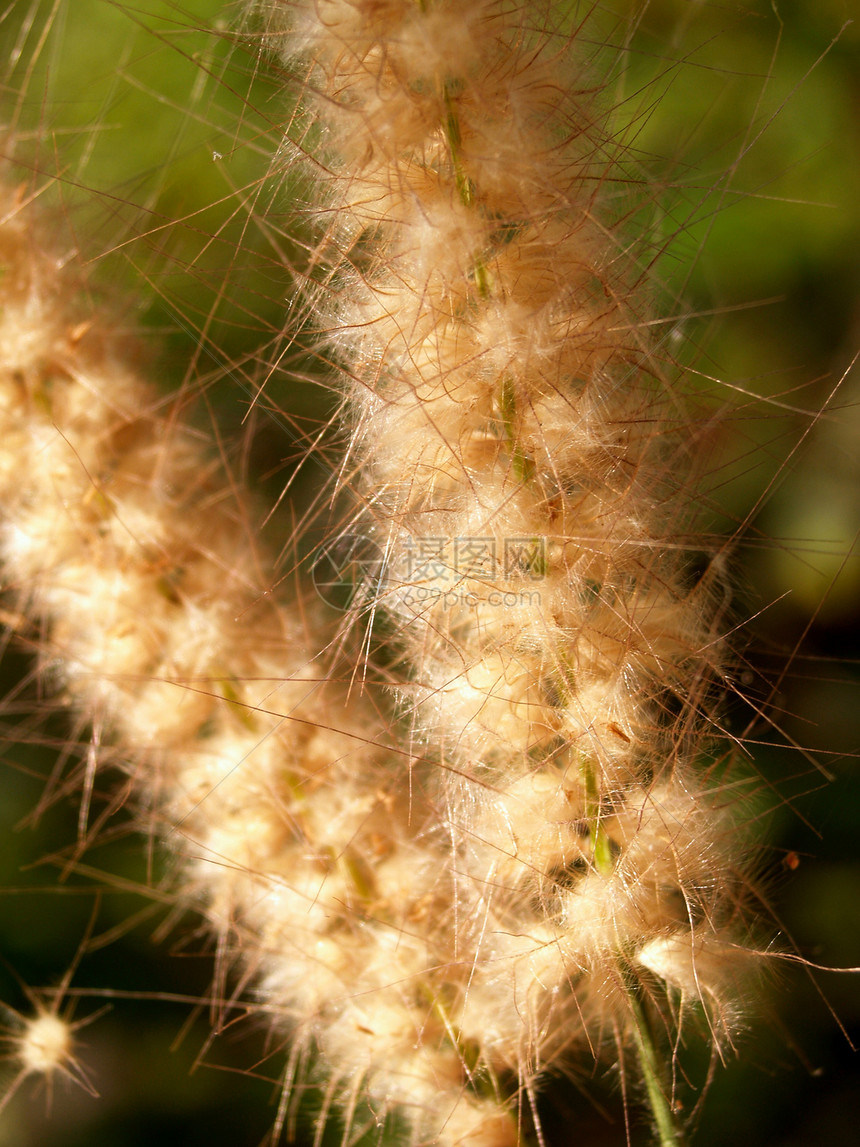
(485, 826)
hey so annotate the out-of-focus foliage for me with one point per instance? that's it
(742, 133)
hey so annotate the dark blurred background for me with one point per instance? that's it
(148, 131)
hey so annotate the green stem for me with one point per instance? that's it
(524, 467)
(522, 464)
(601, 846)
(465, 186)
(668, 1132)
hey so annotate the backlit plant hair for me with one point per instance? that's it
(484, 826)
(517, 439)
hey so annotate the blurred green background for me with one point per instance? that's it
(148, 130)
